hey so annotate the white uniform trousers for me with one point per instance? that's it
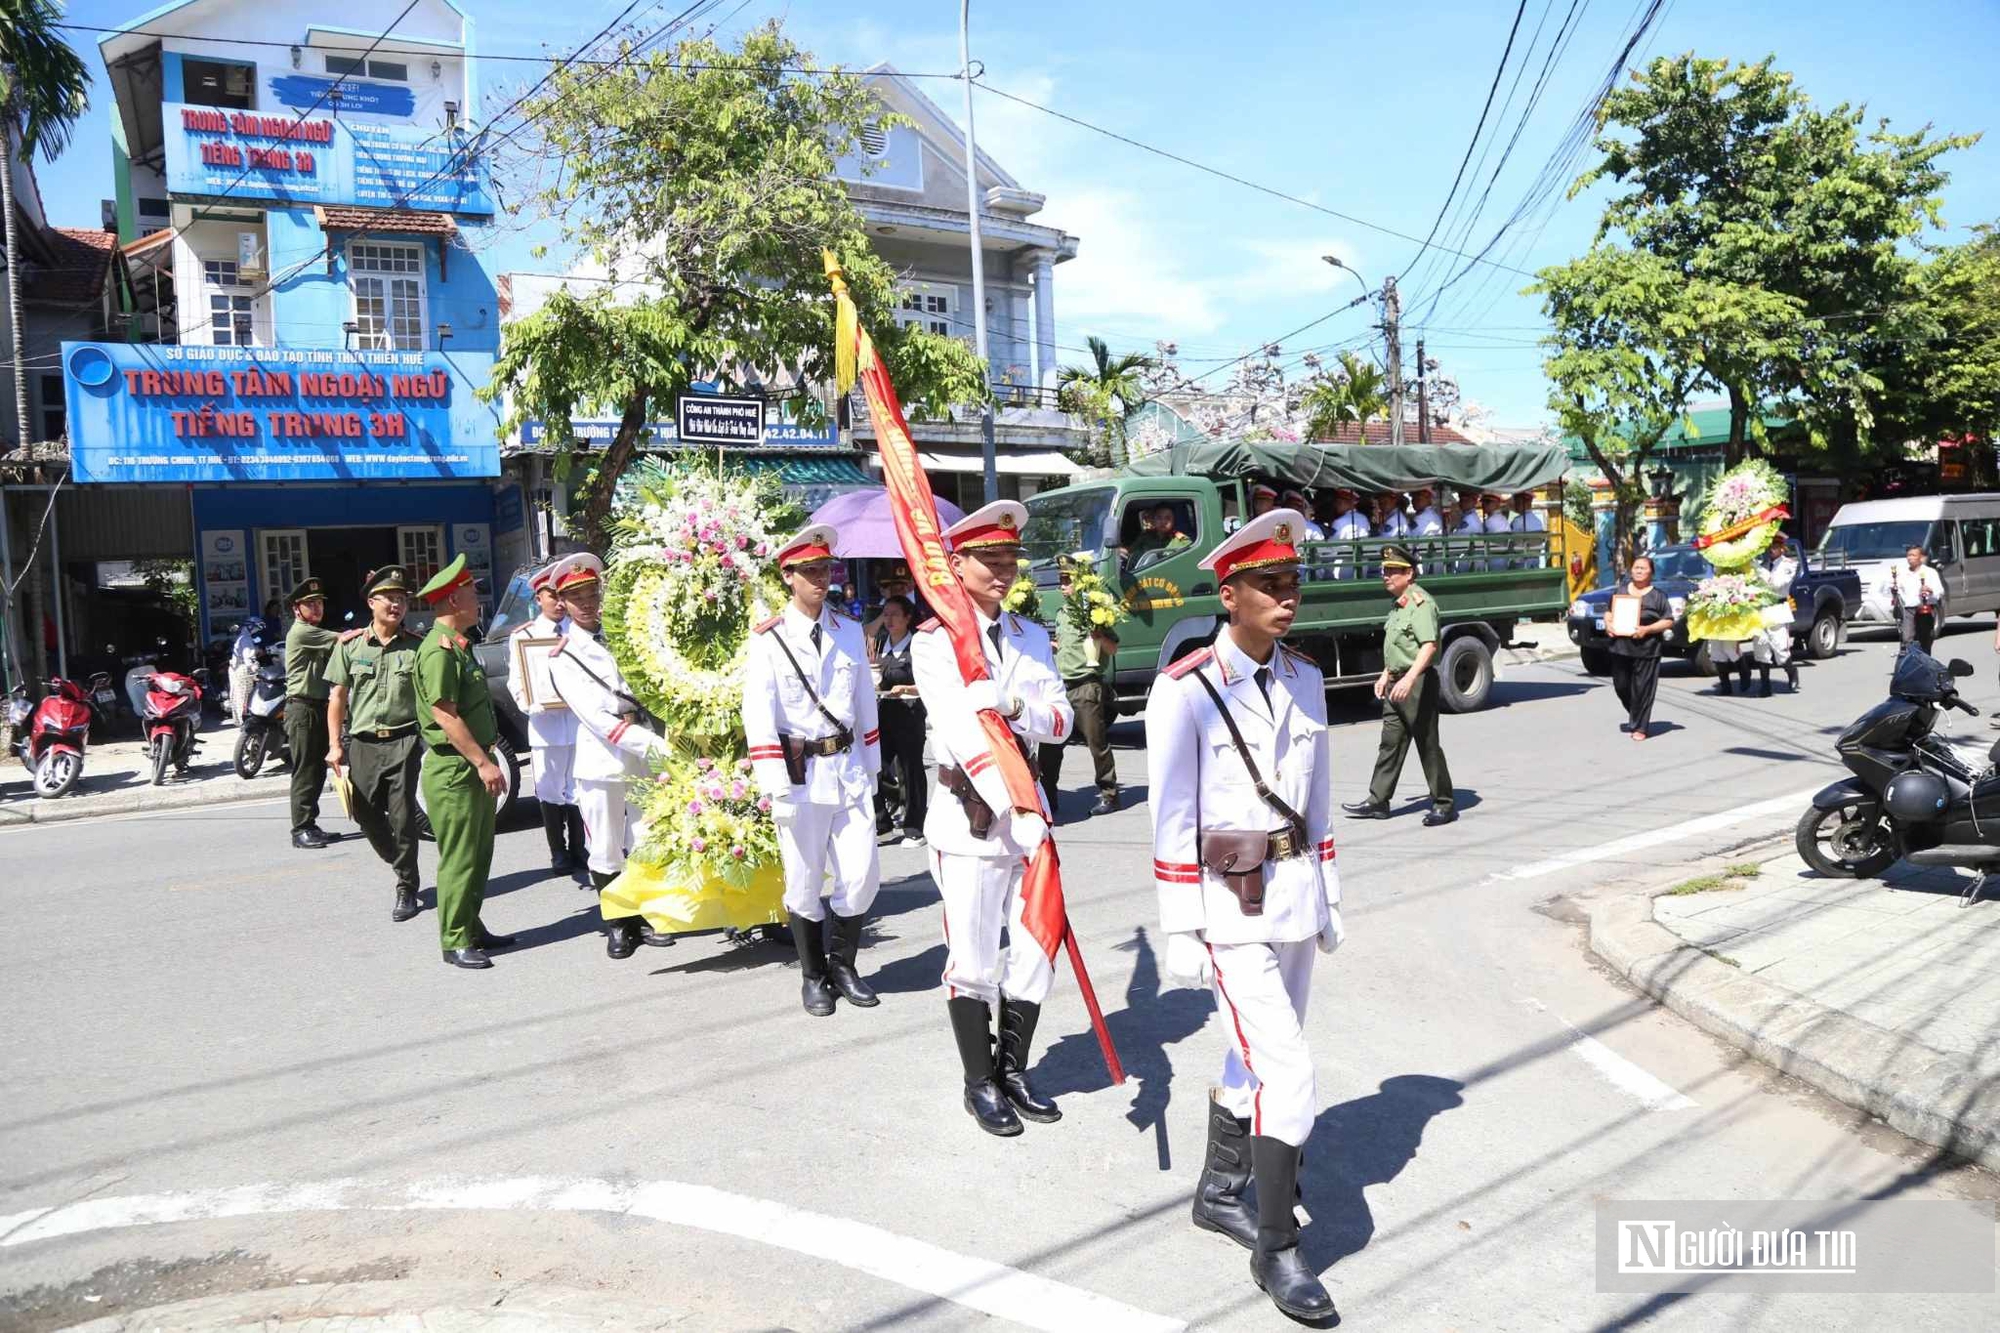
(1773, 647)
(549, 766)
(830, 839)
(1260, 997)
(1724, 650)
(981, 894)
(607, 823)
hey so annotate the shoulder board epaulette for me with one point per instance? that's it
(767, 625)
(1290, 651)
(1189, 663)
(1013, 623)
(458, 641)
(929, 625)
(842, 615)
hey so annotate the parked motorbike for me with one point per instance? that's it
(51, 736)
(262, 731)
(1913, 795)
(173, 716)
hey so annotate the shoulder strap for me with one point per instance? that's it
(562, 650)
(811, 693)
(1271, 798)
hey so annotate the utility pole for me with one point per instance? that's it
(1423, 400)
(1392, 311)
(992, 463)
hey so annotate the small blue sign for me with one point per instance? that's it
(321, 159)
(182, 414)
(508, 510)
(310, 92)
(777, 434)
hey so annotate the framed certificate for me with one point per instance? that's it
(1623, 622)
(531, 665)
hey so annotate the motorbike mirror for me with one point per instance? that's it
(1960, 667)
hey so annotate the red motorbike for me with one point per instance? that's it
(50, 736)
(173, 715)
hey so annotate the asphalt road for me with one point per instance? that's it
(225, 1048)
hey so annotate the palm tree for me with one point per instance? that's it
(1353, 393)
(43, 89)
(1109, 390)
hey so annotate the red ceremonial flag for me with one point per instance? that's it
(917, 529)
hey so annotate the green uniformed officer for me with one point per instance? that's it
(307, 648)
(461, 781)
(1084, 663)
(371, 718)
(1408, 689)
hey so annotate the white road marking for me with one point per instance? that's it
(977, 1284)
(128, 816)
(1639, 842)
(1617, 1070)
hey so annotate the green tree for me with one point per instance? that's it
(1942, 377)
(1620, 364)
(1352, 393)
(1794, 218)
(1106, 392)
(703, 178)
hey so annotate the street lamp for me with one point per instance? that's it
(1335, 261)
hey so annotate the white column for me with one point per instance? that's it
(1045, 319)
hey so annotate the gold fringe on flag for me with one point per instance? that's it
(846, 325)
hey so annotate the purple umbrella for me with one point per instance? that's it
(863, 529)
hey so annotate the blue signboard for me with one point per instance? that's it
(141, 412)
(320, 159)
(777, 434)
(311, 92)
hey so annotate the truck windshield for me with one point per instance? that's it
(1875, 541)
(517, 607)
(1064, 522)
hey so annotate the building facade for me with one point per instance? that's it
(304, 319)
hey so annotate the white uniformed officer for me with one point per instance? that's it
(1248, 887)
(1773, 643)
(807, 688)
(1427, 522)
(611, 746)
(551, 742)
(980, 846)
(1349, 524)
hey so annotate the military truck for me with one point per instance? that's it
(1485, 585)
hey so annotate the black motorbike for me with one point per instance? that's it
(261, 734)
(1914, 796)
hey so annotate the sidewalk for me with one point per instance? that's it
(402, 1307)
(118, 779)
(1883, 994)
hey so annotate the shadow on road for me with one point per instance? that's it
(1363, 1142)
(1506, 693)
(908, 976)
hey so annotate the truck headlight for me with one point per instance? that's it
(1580, 609)
(1677, 605)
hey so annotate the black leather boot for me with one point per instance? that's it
(1722, 678)
(972, 1027)
(1764, 689)
(840, 963)
(657, 939)
(579, 851)
(1017, 1034)
(621, 935)
(406, 903)
(814, 991)
(1743, 676)
(1280, 1270)
(1792, 677)
(1218, 1196)
(552, 829)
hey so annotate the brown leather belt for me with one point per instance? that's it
(820, 747)
(382, 733)
(1237, 857)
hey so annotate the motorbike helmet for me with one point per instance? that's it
(1915, 797)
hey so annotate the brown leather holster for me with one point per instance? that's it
(798, 749)
(1237, 857)
(978, 814)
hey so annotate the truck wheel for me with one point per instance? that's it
(1596, 662)
(1824, 637)
(1465, 674)
(510, 769)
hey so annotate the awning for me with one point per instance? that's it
(810, 471)
(1008, 463)
(398, 221)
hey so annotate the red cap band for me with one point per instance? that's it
(800, 555)
(1255, 555)
(988, 534)
(439, 594)
(576, 578)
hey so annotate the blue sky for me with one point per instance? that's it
(1362, 108)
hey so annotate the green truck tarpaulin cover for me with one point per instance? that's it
(1504, 468)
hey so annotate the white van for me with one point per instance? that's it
(1960, 535)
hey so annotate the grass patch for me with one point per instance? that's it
(1733, 879)
(1699, 884)
(1722, 958)
(1745, 870)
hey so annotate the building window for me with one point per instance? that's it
(54, 417)
(154, 208)
(388, 286)
(230, 302)
(218, 83)
(394, 70)
(874, 139)
(929, 305)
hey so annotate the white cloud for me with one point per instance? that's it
(1285, 267)
(1126, 273)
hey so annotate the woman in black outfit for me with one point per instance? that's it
(1635, 658)
(902, 718)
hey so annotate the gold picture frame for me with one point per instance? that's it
(1623, 621)
(531, 662)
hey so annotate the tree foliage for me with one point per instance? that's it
(1354, 392)
(1794, 221)
(1106, 393)
(43, 83)
(702, 179)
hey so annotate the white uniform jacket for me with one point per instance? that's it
(547, 727)
(776, 704)
(1351, 526)
(1200, 783)
(1394, 524)
(610, 744)
(1500, 521)
(1779, 575)
(1428, 523)
(1528, 522)
(1027, 669)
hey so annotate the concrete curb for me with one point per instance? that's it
(399, 1305)
(211, 791)
(1933, 1096)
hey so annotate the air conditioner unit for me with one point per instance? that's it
(249, 254)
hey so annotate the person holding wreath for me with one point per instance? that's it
(1639, 618)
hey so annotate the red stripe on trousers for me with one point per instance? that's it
(1257, 1098)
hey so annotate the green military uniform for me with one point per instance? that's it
(1150, 540)
(1412, 623)
(307, 648)
(382, 752)
(1088, 687)
(461, 810)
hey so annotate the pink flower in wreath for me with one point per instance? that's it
(737, 852)
(699, 844)
(695, 807)
(763, 805)
(735, 791)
